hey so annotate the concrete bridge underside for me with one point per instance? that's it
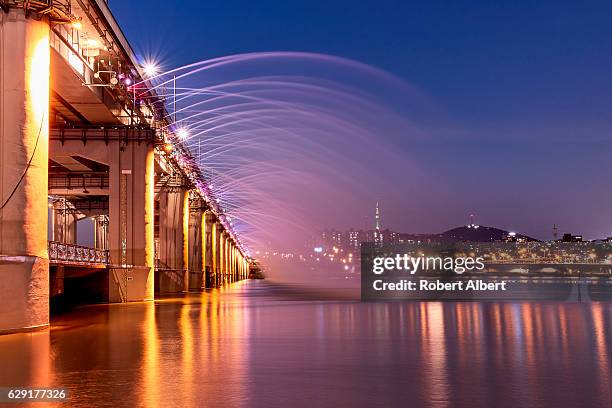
(75, 150)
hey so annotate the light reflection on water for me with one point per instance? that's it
(257, 344)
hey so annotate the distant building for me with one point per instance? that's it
(331, 238)
(571, 238)
(354, 239)
(390, 237)
(378, 237)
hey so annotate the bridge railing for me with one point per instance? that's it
(71, 253)
(78, 180)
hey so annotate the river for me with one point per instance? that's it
(261, 344)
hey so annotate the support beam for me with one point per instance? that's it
(101, 231)
(233, 263)
(24, 132)
(209, 249)
(131, 225)
(173, 240)
(222, 256)
(215, 254)
(64, 222)
(197, 246)
(185, 237)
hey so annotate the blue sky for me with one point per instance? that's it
(526, 85)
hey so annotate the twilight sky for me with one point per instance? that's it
(522, 93)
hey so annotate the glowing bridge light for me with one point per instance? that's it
(182, 134)
(92, 43)
(168, 147)
(150, 69)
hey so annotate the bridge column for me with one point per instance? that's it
(225, 258)
(173, 240)
(101, 232)
(229, 259)
(242, 269)
(240, 266)
(222, 255)
(64, 222)
(131, 221)
(215, 246)
(197, 245)
(237, 262)
(24, 134)
(208, 251)
(234, 272)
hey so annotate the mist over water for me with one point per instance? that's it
(293, 143)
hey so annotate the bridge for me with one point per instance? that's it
(87, 144)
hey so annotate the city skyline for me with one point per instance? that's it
(377, 229)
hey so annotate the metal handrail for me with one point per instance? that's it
(61, 251)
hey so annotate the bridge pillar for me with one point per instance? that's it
(101, 232)
(64, 222)
(237, 260)
(226, 253)
(222, 269)
(197, 246)
(236, 263)
(215, 244)
(230, 260)
(131, 221)
(208, 249)
(230, 270)
(173, 240)
(241, 264)
(233, 262)
(24, 134)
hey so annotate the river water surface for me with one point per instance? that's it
(259, 344)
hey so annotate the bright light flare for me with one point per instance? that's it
(182, 134)
(168, 147)
(150, 69)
